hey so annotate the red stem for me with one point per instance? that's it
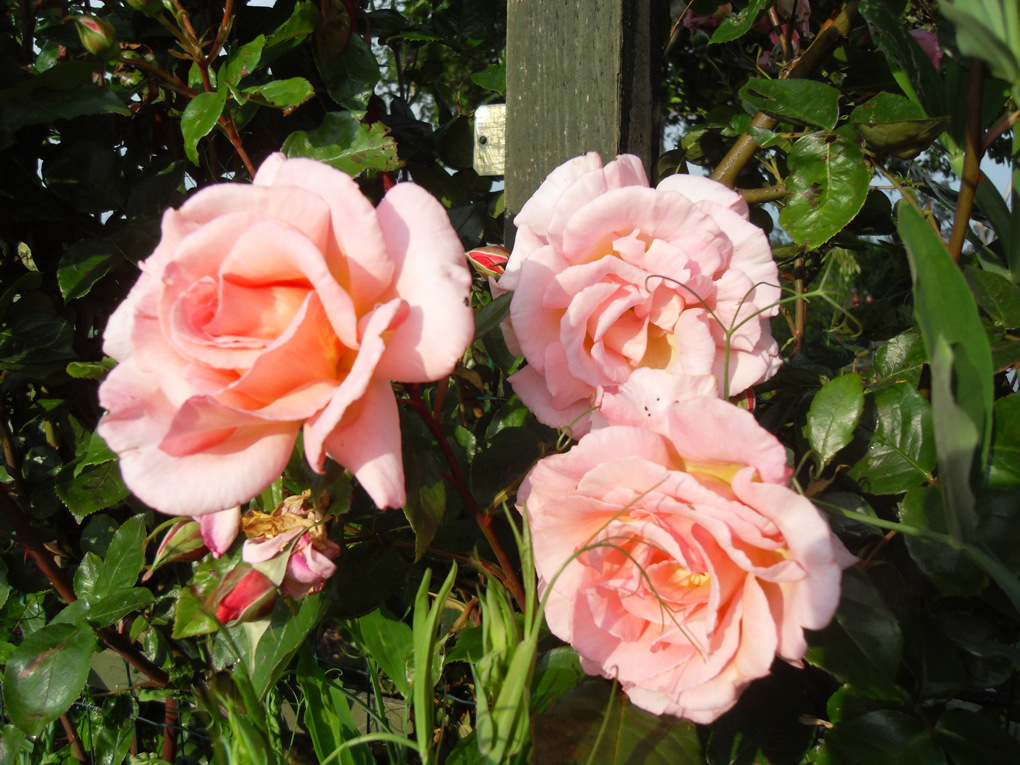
(483, 520)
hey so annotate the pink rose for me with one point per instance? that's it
(219, 530)
(289, 302)
(610, 276)
(929, 43)
(693, 21)
(309, 562)
(701, 565)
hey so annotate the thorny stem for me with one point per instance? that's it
(824, 44)
(460, 484)
(1001, 126)
(800, 305)
(73, 738)
(971, 160)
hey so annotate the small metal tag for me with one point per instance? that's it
(490, 135)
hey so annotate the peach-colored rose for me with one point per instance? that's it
(610, 275)
(289, 302)
(699, 564)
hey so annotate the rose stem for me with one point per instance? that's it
(971, 160)
(484, 521)
(72, 737)
(800, 304)
(169, 730)
(825, 43)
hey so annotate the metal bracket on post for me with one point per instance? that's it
(490, 139)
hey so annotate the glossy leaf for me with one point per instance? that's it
(351, 77)
(1005, 468)
(199, 118)
(886, 107)
(998, 296)
(569, 729)
(390, 643)
(490, 315)
(285, 634)
(905, 138)
(805, 101)
(327, 713)
(884, 737)
(346, 144)
(284, 94)
(733, 27)
(835, 411)
(901, 453)
(863, 644)
(968, 737)
(126, 554)
(828, 183)
(948, 568)
(87, 175)
(93, 489)
(426, 497)
(46, 674)
(119, 603)
(62, 92)
(243, 61)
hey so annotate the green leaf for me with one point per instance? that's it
(1005, 468)
(367, 574)
(884, 737)
(292, 32)
(426, 497)
(734, 27)
(901, 453)
(944, 306)
(351, 77)
(805, 101)
(35, 343)
(997, 295)
(285, 634)
(948, 568)
(901, 359)
(242, 62)
(828, 184)
(886, 107)
(972, 738)
(118, 604)
(327, 713)
(12, 742)
(87, 175)
(390, 643)
(90, 579)
(5, 588)
(63, 92)
(556, 671)
(569, 730)
(93, 489)
(492, 314)
(493, 77)
(99, 453)
(863, 645)
(97, 534)
(984, 30)
(510, 454)
(126, 554)
(90, 370)
(46, 674)
(910, 65)
(199, 118)
(346, 144)
(835, 412)
(904, 138)
(190, 618)
(284, 94)
(84, 264)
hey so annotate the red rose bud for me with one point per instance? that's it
(489, 261)
(98, 36)
(150, 8)
(249, 596)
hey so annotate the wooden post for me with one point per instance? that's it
(582, 75)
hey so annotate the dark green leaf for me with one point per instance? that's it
(90, 579)
(905, 138)
(945, 306)
(98, 454)
(242, 62)
(288, 35)
(389, 642)
(491, 314)
(12, 741)
(118, 604)
(996, 294)
(284, 94)
(734, 27)
(886, 107)
(510, 454)
(972, 738)
(828, 183)
(426, 497)
(469, 223)
(351, 77)
(199, 118)
(126, 554)
(901, 359)
(884, 737)
(863, 644)
(327, 713)
(493, 77)
(46, 674)
(948, 568)
(62, 92)
(805, 101)
(87, 175)
(556, 672)
(94, 489)
(97, 534)
(910, 65)
(35, 343)
(1005, 469)
(366, 575)
(835, 412)
(901, 453)
(984, 30)
(346, 144)
(84, 264)
(567, 731)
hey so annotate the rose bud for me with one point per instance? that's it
(150, 8)
(182, 544)
(249, 596)
(98, 36)
(489, 261)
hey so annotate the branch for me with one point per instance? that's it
(826, 41)
(73, 738)
(170, 730)
(460, 484)
(971, 160)
(767, 194)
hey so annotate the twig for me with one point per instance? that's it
(767, 194)
(73, 738)
(170, 731)
(231, 131)
(1003, 124)
(800, 305)
(825, 43)
(971, 159)
(221, 37)
(460, 484)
